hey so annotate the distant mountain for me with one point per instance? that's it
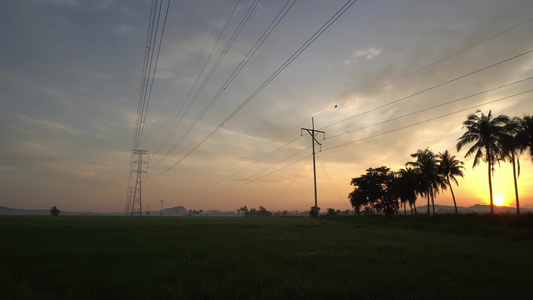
(173, 211)
(15, 211)
(478, 208)
(7, 211)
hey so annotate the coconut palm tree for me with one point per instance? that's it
(406, 187)
(520, 140)
(398, 190)
(449, 167)
(510, 150)
(487, 134)
(426, 165)
(524, 135)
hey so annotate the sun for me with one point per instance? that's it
(499, 200)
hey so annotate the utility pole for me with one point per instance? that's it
(161, 210)
(136, 207)
(313, 134)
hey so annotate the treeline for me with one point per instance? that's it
(263, 212)
(492, 140)
(315, 211)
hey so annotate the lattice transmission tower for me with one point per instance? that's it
(129, 198)
(136, 205)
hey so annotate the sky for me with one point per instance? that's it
(385, 79)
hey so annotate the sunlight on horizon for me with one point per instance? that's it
(476, 184)
(499, 200)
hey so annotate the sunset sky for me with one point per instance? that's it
(387, 78)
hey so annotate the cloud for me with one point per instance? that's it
(123, 29)
(56, 2)
(51, 125)
(105, 3)
(102, 4)
(6, 168)
(368, 53)
(33, 149)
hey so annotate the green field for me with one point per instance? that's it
(343, 257)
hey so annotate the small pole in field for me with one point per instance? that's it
(161, 210)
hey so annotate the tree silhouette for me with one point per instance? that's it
(523, 139)
(314, 212)
(358, 200)
(450, 167)
(331, 212)
(426, 165)
(524, 136)
(487, 134)
(251, 213)
(54, 211)
(510, 151)
(406, 186)
(243, 209)
(374, 190)
(263, 212)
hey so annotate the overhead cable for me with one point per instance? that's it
(324, 27)
(431, 88)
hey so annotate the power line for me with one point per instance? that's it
(245, 168)
(324, 27)
(406, 75)
(441, 59)
(435, 106)
(156, 61)
(439, 105)
(318, 33)
(429, 120)
(144, 72)
(147, 82)
(250, 179)
(382, 122)
(207, 78)
(169, 131)
(331, 182)
(423, 91)
(432, 88)
(289, 185)
(285, 9)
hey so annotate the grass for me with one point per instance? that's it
(344, 257)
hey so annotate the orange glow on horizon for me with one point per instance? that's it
(475, 185)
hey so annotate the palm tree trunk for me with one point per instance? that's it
(397, 207)
(433, 203)
(515, 185)
(428, 203)
(432, 199)
(453, 195)
(414, 204)
(490, 187)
